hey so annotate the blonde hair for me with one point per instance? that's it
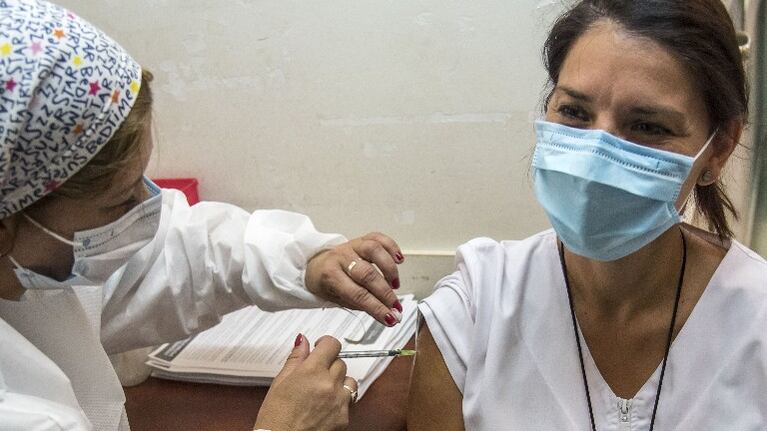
(125, 146)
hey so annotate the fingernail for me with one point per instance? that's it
(299, 339)
(397, 315)
(395, 283)
(390, 320)
(398, 306)
(399, 257)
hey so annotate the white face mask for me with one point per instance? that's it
(100, 252)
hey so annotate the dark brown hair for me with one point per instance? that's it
(700, 34)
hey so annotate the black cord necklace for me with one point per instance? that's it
(668, 341)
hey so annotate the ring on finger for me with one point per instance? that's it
(352, 392)
(351, 266)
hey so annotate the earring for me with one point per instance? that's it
(707, 178)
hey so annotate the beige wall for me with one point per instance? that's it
(408, 117)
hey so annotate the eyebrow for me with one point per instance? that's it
(575, 94)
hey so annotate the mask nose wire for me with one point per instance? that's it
(50, 232)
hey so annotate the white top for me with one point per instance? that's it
(203, 262)
(503, 324)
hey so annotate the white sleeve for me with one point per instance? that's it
(278, 244)
(451, 310)
(205, 261)
(34, 393)
(23, 413)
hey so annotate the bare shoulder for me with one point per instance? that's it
(434, 401)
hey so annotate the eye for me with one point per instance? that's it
(573, 113)
(653, 129)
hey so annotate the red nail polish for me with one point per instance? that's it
(395, 283)
(399, 257)
(299, 339)
(398, 306)
(390, 320)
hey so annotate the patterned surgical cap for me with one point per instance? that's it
(65, 88)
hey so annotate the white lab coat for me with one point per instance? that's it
(502, 323)
(204, 262)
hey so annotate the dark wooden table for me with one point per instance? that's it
(164, 405)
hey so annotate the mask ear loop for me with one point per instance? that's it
(50, 232)
(684, 211)
(706, 145)
(16, 263)
(21, 270)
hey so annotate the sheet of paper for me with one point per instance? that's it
(253, 344)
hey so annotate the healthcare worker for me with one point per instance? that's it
(95, 259)
(622, 317)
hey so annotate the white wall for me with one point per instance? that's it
(408, 117)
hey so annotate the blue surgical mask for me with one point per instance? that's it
(606, 197)
(100, 252)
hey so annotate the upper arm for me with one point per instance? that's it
(449, 337)
(435, 402)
